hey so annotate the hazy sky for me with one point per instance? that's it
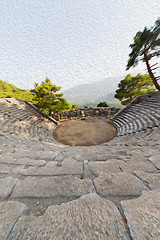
(70, 41)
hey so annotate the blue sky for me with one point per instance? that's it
(70, 41)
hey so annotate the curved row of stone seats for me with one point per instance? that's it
(142, 113)
(142, 110)
(151, 115)
(118, 198)
(146, 136)
(23, 119)
(132, 127)
(131, 123)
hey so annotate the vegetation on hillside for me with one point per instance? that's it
(44, 96)
(111, 103)
(146, 46)
(131, 87)
(8, 90)
(90, 94)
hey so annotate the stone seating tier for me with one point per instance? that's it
(20, 118)
(142, 113)
(53, 191)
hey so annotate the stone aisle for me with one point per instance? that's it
(45, 196)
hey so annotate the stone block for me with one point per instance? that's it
(20, 227)
(110, 166)
(9, 214)
(143, 215)
(66, 167)
(151, 179)
(4, 168)
(155, 159)
(6, 186)
(89, 217)
(118, 185)
(52, 187)
(132, 165)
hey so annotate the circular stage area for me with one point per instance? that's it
(84, 132)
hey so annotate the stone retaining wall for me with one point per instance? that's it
(103, 112)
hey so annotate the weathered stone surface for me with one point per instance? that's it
(2, 134)
(9, 169)
(82, 157)
(67, 186)
(29, 162)
(109, 166)
(98, 154)
(49, 155)
(143, 215)
(109, 156)
(21, 153)
(52, 164)
(118, 184)
(66, 167)
(152, 180)
(9, 213)
(7, 158)
(89, 217)
(132, 165)
(18, 169)
(156, 161)
(6, 186)
(4, 168)
(20, 227)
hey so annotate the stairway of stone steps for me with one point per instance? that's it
(53, 191)
(140, 114)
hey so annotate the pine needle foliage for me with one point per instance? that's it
(131, 87)
(46, 98)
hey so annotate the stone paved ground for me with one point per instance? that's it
(43, 194)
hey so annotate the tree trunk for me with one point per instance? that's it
(50, 112)
(151, 73)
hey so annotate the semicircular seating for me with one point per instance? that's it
(23, 119)
(53, 191)
(141, 114)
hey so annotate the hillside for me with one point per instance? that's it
(83, 95)
(92, 93)
(8, 90)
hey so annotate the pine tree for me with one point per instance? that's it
(46, 98)
(146, 46)
(130, 87)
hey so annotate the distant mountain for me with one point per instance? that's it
(93, 93)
